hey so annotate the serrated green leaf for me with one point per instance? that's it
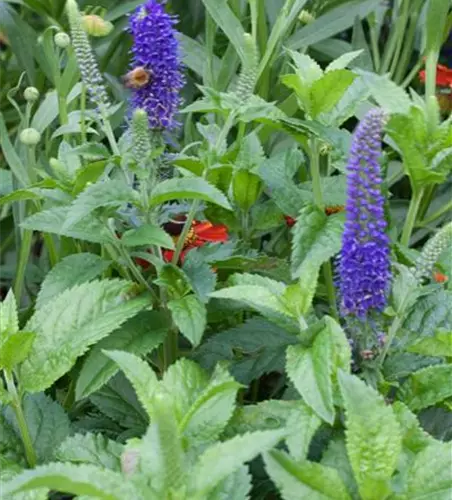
(91, 311)
(304, 479)
(72, 270)
(430, 476)
(201, 276)
(7, 472)
(253, 349)
(336, 457)
(427, 387)
(93, 449)
(325, 93)
(118, 401)
(373, 434)
(53, 220)
(161, 452)
(222, 459)
(140, 374)
(76, 479)
(236, 486)
(343, 61)
(316, 238)
(298, 297)
(191, 188)
(310, 370)
(208, 415)
(414, 438)
(147, 235)
(261, 299)
(306, 68)
(388, 94)
(107, 194)
(438, 345)
(9, 321)
(47, 424)
(139, 335)
(190, 316)
(15, 349)
(302, 424)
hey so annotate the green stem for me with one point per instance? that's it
(411, 216)
(393, 329)
(110, 136)
(391, 45)
(83, 114)
(414, 71)
(374, 48)
(443, 210)
(16, 404)
(403, 19)
(24, 255)
(187, 226)
(318, 199)
(170, 348)
(430, 75)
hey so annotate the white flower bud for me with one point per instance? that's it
(31, 94)
(30, 137)
(62, 40)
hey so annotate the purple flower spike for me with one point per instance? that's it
(156, 50)
(364, 266)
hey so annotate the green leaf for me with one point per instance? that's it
(118, 401)
(161, 452)
(147, 235)
(427, 387)
(343, 61)
(11, 469)
(140, 374)
(47, 424)
(190, 316)
(302, 424)
(246, 188)
(93, 449)
(304, 479)
(21, 195)
(12, 158)
(200, 275)
(325, 93)
(430, 475)
(229, 24)
(316, 238)
(207, 417)
(389, 95)
(53, 219)
(310, 370)
(253, 349)
(435, 24)
(107, 194)
(438, 345)
(191, 188)
(9, 321)
(222, 459)
(336, 457)
(414, 438)
(298, 297)
(87, 480)
(278, 172)
(15, 349)
(70, 271)
(334, 21)
(373, 434)
(91, 311)
(236, 486)
(139, 335)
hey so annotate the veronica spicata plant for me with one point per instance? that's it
(364, 267)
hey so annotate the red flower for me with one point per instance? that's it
(200, 233)
(290, 221)
(443, 76)
(440, 277)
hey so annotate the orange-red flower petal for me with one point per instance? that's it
(440, 277)
(443, 76)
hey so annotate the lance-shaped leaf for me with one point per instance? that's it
(427, 387)
(316, 238)
(87, 480)
(68, 325)
(140, 374)
(191, 188)
(222, 459)
(106, 194)
(139, 335)
(325, 93)
(9, 321)
(147, 235)
(304, 479)
(373, 434)
(190, 316)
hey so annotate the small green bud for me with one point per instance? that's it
(62, 40)
(30, 137)
(306, 17)
(31, 94)
(96, 26)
